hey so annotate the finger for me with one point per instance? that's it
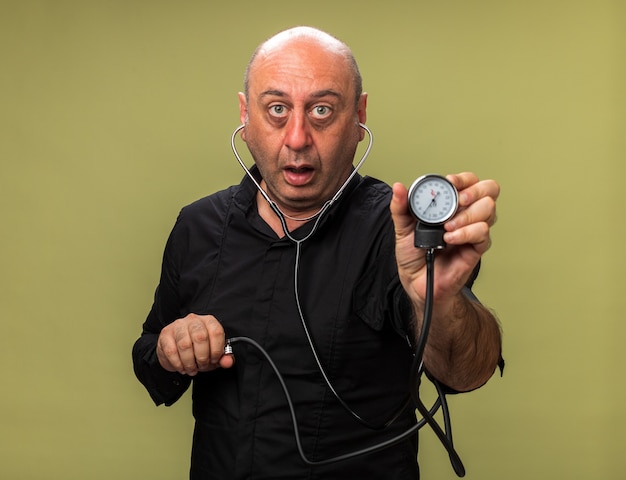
(483, 210)
(208, 340)
(200, 344)
(185, 347)
(216, 339)
(463, 180)
(471, 189)
(475, 234)
(167, 352)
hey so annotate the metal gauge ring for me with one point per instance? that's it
(433, 199)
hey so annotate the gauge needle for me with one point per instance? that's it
(433, 202)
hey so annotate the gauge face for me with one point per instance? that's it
(433, 199)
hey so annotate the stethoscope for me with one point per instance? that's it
(329, 203)
(417, 368)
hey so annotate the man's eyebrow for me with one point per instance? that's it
(272, 93)
(326, 93)
(318, 94)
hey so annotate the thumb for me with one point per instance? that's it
(227, 360)
(403, 221)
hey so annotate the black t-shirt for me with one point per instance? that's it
(223, 259)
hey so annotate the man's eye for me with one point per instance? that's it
(321, 111)
(278, 110)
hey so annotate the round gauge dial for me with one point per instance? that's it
(433, 199)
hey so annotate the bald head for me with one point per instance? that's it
(310, 35)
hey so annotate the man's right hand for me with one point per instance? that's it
(193, 344)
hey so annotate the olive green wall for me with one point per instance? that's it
(114, 114)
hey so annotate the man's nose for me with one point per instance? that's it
(297, 132)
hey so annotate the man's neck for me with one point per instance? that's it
(292, 220)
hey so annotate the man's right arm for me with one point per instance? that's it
(165, 387)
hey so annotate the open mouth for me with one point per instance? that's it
(298, 176)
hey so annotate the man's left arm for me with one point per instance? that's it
(464, 342)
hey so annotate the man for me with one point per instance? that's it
(332, 294)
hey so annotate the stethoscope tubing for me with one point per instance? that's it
(417, 369)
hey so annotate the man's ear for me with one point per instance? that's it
(362, 112)
(243, 113)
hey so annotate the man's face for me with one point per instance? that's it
(301, 123)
